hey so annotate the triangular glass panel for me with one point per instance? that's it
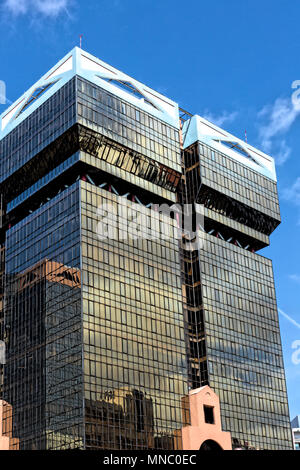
(38, 92)
(237, 148)
(127, 86)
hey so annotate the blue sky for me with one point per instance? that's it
(232, 61)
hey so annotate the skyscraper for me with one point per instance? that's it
(235, 338)
(108, 325)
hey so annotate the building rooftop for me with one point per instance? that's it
(199, 129)
(80, 62)
(295, 423)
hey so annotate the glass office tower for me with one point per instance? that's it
(106, 329)
(235, 343)
(93, 325)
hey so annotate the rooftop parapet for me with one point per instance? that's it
(79, 62)
(199, 129)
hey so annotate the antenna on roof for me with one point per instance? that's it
(246, 140)
(80, 40)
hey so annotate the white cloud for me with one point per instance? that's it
(221, 119)
(46, 8)
(279, 116)
(281, 152)
(16, 7)
(292, 193)
(277, 119)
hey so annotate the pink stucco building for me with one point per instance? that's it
(7, 442)
(205, 431)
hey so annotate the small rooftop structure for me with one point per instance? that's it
(205, 432)
(7, 442)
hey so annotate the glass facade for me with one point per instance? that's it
(241, 183)
(128, 125)
(38, 130)
(43, 378)
(134, 345)
(105, 336)
(79, 311)
(235, 343)
(244, 353)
